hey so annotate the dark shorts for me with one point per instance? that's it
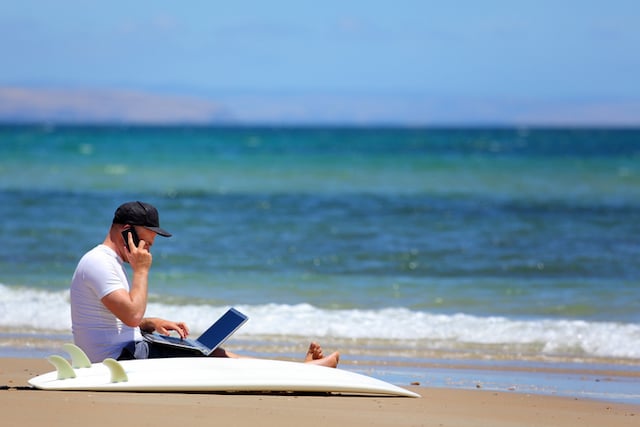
(147, 350)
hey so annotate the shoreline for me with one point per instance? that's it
(605, 383)
(438, 406)
(612, 380)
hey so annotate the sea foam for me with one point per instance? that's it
(37, 310)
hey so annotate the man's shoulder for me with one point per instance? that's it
(98, 268)
(100, 251)
(99, 255)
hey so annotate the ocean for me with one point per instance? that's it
(393, 245)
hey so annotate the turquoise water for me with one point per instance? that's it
(495, 242)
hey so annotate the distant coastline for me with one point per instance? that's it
(121, 106)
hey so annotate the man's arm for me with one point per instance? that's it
(162, 326)
(130, 306)
(119, 303)
(130, 309)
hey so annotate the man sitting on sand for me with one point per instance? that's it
(107, 311)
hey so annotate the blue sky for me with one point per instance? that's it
(402, 61)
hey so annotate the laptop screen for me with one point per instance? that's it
(222, 328)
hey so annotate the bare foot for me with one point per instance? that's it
(331, 361)
(316, 356)
(314, 352)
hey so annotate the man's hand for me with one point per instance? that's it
(162, 326)
(130, 305)
(139, 256)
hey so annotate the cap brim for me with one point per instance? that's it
(162, 232)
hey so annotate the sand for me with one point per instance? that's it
(22, 406)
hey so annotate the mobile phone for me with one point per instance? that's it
(125, 236)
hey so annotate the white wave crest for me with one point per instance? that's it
(45, 310)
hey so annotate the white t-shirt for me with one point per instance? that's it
(95, 329)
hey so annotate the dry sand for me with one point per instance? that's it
(22, 406)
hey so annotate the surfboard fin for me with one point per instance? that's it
(118, 375)
(79, 358)
(65, 371)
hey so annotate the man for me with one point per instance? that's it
(107, 311)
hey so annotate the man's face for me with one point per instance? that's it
(147, 235)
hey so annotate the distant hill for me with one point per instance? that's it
(121, 106)
(22, 105)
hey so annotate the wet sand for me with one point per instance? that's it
(22, 405)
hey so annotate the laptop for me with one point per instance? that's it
(211, 339)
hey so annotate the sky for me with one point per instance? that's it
(406, 62)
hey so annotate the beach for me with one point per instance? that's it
(21, 405)
(495, 270)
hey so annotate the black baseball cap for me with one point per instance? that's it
(139, 213)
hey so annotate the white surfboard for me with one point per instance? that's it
(206, 374)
